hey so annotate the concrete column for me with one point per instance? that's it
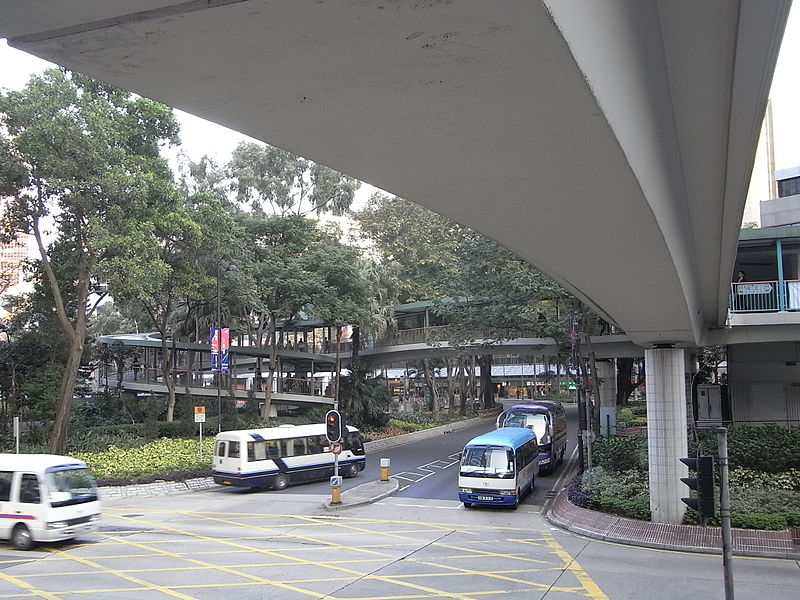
(666, 432)
(607, 373)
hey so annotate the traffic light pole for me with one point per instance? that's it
(725, 511)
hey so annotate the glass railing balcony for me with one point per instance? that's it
(764, 296)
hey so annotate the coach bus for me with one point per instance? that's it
(279, 456)
(499, 467)
(548, 420)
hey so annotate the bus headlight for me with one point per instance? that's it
(465, 490)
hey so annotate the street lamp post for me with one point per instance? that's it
(228, 268)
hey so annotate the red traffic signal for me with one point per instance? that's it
(334, 428)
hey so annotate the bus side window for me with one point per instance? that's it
(256, 451)
(299, 446)
(29, 489)
(315, 444)
(5, 484)
(233, 450)
(272, 449)
(221, 449)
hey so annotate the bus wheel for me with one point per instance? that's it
(21, 538)
(515, 505)
(467, 504)
(533, 482)
(351, 470)
(280, 482)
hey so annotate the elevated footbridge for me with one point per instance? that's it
(608, 143)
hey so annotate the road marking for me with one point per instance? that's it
(28, 587)
(592, 589)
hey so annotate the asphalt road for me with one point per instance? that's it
(420, 543)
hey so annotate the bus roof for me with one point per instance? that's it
(37, 462)
(277, 433)
(538, 405)
(512, 437)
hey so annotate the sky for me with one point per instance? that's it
(201, 137)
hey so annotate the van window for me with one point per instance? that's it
(5, 485)
(221, 449)
(29, 489)
(233, 449)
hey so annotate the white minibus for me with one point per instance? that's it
(499, 467)
(46, 498)
(275, 457)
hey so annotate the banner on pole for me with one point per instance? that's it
(220, 340)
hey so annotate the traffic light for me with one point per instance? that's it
(334, 426)
(702, 483)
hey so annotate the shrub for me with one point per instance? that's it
(620, 453)
(99, 439)
(157, 458)
(767, 448)
(764, 500)
(770, 522)
(748, 478)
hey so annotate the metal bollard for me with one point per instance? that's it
(336, 490)
(385, 469)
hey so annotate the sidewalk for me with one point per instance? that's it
(690, 538)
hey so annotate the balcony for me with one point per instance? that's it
(770, 302)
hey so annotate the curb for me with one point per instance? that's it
(663, 536)
(350, 498)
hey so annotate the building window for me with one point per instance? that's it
(789, 187)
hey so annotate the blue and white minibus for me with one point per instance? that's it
(279, 456)
(548, 420)
(499, 467)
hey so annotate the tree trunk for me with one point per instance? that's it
(487, 386)
(273, 358)
(58, 440)
(166, 374)
(433, 405)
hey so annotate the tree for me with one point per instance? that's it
(82, 161)
(270, 178)
(418, 244)
(187, 234)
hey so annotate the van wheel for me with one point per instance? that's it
(21, 538)
(515, 505)
(351, 470)
(280, 482)
(533, 482)
(467, 504)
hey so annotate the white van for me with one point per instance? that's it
(46, 498)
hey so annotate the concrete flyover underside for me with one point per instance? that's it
(608, 143)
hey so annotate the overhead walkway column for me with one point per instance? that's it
(666, 432)
(607, 373)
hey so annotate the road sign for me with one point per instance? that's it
(336, 480)
(199, 414)
(336, 447)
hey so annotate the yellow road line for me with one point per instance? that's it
(592, 589)
(28, 587)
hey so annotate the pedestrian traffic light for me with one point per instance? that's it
(333, 426)
(702, 483)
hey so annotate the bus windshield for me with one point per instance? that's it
(487, 461)
(70, 485)
(536, 422)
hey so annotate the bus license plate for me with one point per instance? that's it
(485, 498)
